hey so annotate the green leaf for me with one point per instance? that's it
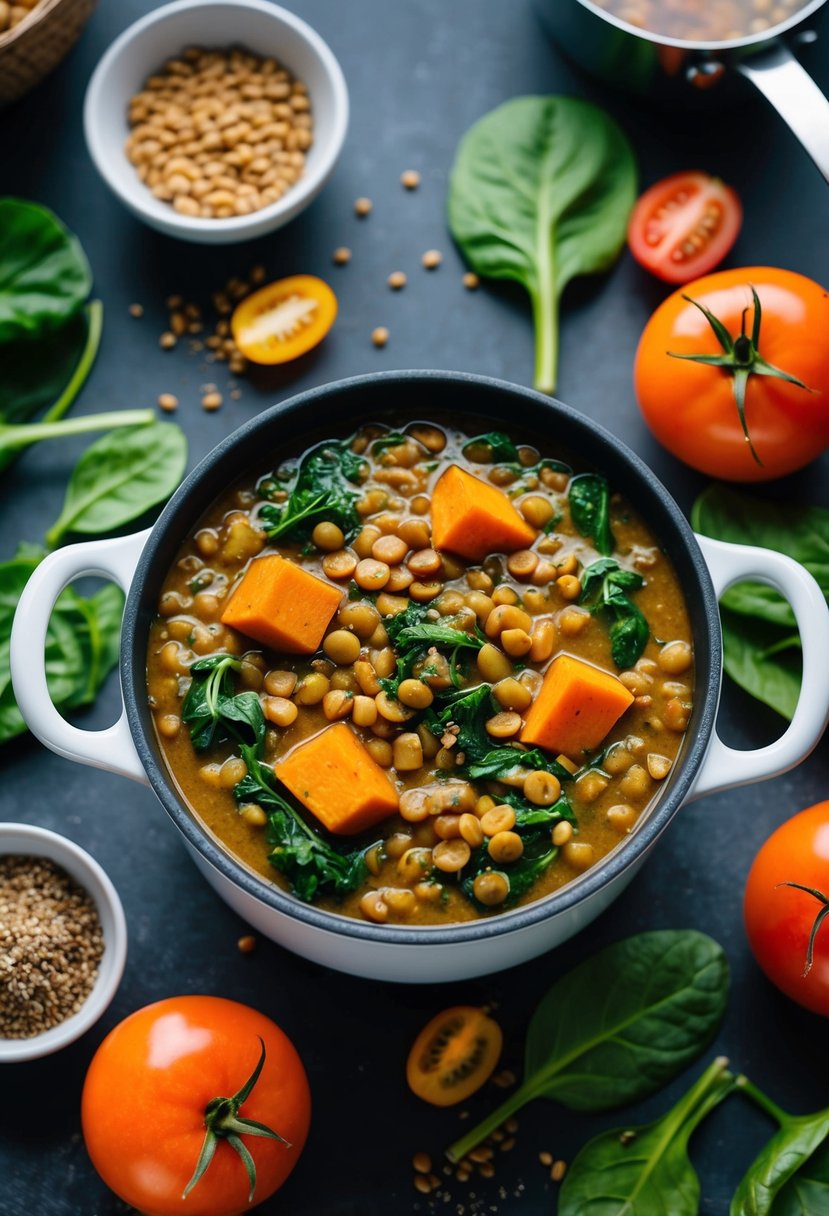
(120, 477)
(540, 193)
(214, 712)
(604, 587)
(498, 447)
(791, 1148)
(44, 275)
(323, 487)
(82, 643)
(35, 370)
(589, 497)
(644, 1171)
(751, 660)
(799, 532)
(807, 1191)
(647, 1006)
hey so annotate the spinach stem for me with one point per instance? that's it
(21, 436)
(524, 1094)
(94, 326)
(762, 1100)
(545, 320)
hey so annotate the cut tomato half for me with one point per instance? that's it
(684, 226)
(453, 1055)
(284, 320)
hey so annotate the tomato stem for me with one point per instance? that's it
(741, 359)
(222, 1122)
(818, 921)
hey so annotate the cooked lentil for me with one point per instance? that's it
(418, 859)
(51, 944)
(220, 133)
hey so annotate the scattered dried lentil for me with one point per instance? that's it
(211, 401)
(341, 256)
(167, 341)
(362, 207)
(246, 944)
(397, 280)
(546, 1158)
(471, 281)
(410, 179)
(168, 402)
(136, 310)
(558, 1170)
(431, 259)
(422, 1163)
(380, 335)
(51, 944)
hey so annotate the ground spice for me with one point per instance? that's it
(51, 944)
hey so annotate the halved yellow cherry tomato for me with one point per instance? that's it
(282, 321)
(453, 1055)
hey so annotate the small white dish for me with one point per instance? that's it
(21, 839)
(145, 46)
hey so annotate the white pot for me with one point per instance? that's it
(421, 954)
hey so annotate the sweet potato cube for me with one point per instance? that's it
(473, 518)
(282, 606)
(575, 708)
(335, 777)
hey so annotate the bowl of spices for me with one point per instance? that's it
(217, 121)
(63, 942)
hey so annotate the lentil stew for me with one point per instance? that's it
(702, 20)
(417, 677)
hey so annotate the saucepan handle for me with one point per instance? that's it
(111, 749)
(726, 767)
(786, 84)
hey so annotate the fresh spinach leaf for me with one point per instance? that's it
(540, 192)
(392, 439)
(468, 711)
(323, 487)
(604, 589)
(213, 710)
(82, 642)
(807, 1191)
(311, 865)
(35, 371)
(663, 995)
(645, 1171)
(589, 497)
(120, 477)
(791, 1148)
(44, 275)
(761, 652)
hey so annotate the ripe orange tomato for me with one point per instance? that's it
(780, 919)
(454, 1054)
(284, 320)
(692, 408)
(150, 1094)
(684, 226)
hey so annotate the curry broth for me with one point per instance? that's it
(607, 801)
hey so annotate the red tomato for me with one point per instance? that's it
(146, 1096)
(684, 226)
(780, 919)
(692, 407)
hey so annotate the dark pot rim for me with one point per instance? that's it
(370, 396)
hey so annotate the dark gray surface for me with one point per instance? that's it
(419, 74)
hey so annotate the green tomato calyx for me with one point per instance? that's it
(223, 1122)
(741, 358)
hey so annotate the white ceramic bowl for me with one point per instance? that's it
(255, 25)
(24, 840)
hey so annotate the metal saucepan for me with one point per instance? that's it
(672, 69)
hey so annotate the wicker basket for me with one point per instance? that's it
(30, 50)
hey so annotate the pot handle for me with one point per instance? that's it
(111, 749)
(725, 767)
(786, 84)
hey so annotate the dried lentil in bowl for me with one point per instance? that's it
(220, 133)
(51, 944)
(354, 700)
